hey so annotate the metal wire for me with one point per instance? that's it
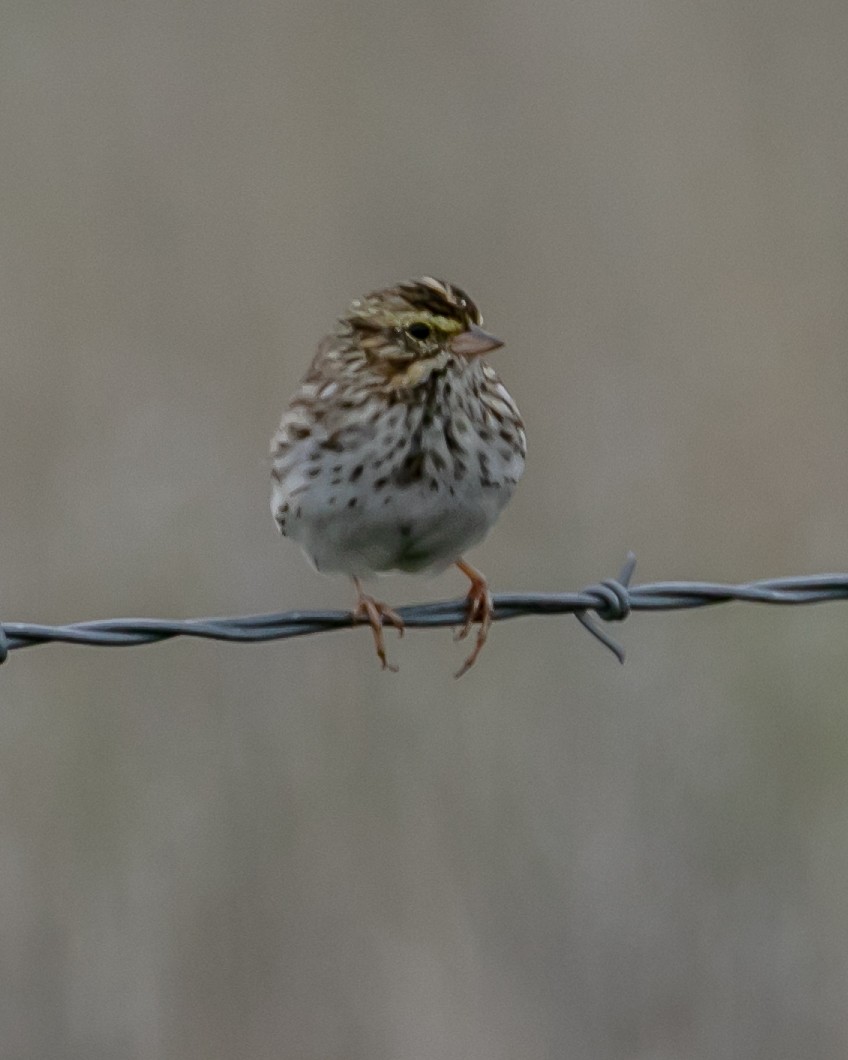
(611, 600)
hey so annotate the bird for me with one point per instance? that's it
(400, 448)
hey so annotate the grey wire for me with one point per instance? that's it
(610, 601)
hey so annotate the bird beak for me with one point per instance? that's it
(474, 342)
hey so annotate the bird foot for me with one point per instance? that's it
(377, 614)
(480, 609)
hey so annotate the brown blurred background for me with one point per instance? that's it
(212, 851)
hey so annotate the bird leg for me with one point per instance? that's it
(376, 613)
(480, 609)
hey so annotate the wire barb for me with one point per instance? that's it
(611, 600)
(613, 605)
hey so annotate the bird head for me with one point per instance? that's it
(417, 327)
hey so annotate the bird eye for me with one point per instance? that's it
(419, 331)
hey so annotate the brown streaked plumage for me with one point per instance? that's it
(401, 446)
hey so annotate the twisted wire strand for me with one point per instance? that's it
(612, 600)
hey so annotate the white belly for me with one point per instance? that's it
(416, 529)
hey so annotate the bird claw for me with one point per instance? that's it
(376, 613)
(480, 609)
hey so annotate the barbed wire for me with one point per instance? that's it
(611, 600)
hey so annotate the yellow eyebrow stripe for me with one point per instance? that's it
(447, 325)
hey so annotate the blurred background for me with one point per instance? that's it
(210, 851)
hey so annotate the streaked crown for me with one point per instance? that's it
(424, 299)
